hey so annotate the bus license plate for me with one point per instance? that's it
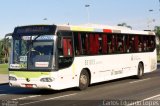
(29, 85)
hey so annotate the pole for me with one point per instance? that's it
(159, 3)
(88, 16)
(150, 20)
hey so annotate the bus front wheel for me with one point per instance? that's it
(140, 71)
(83, 80)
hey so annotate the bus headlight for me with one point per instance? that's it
(47, 79)
(12, 78)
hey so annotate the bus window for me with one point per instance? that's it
(87, 43)
(91, 44)
(140, 44)
(119, 44)
(145, 43)
(136, 44)
(124, 43)
(151, 45)
(130, 44)
(113, 44)
(84, 43)
(97, 45)
(109, 40)
(104, 44)
(67, 47)
(77, 44)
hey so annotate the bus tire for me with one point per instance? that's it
(84, 80)
(140, 71)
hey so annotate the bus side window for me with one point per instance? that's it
(67, 47)
(104, 44)
(137, 46)
(84, 44)
(119, 44)
(113, 44)
(97, 45)
(152, 44)
(77, 44)
(93, 44)
(109, 48)
(145, 43)
(130, 44)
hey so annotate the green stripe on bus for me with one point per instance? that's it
(29, 74)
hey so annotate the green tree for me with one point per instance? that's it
(1, 51)
(124, 25)
(4, 50)
(157, 31)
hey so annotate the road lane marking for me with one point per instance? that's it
(60, 97)
(28, 97)
(152, 97)
(48, 99)
(142, 101)
(139, 80)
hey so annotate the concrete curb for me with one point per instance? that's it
(4, 79)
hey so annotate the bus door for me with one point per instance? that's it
(65, 52)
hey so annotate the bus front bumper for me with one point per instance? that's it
(34, 85)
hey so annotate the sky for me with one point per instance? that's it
(107, 12)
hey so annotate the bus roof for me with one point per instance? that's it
(103, 28)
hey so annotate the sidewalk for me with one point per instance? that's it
(3, 78)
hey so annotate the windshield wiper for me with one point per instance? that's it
(35, 38)
(31, 44)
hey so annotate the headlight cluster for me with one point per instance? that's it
(12, 78)
(47, 79)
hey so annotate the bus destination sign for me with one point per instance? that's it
(35, 29)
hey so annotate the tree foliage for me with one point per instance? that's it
(4, 50)
(125, 25)
(157, 30)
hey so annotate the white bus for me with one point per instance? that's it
(64, 56)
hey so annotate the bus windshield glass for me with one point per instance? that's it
(32, 52)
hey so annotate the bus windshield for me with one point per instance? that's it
(32, 52)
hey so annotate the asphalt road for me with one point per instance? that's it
(124, 92)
